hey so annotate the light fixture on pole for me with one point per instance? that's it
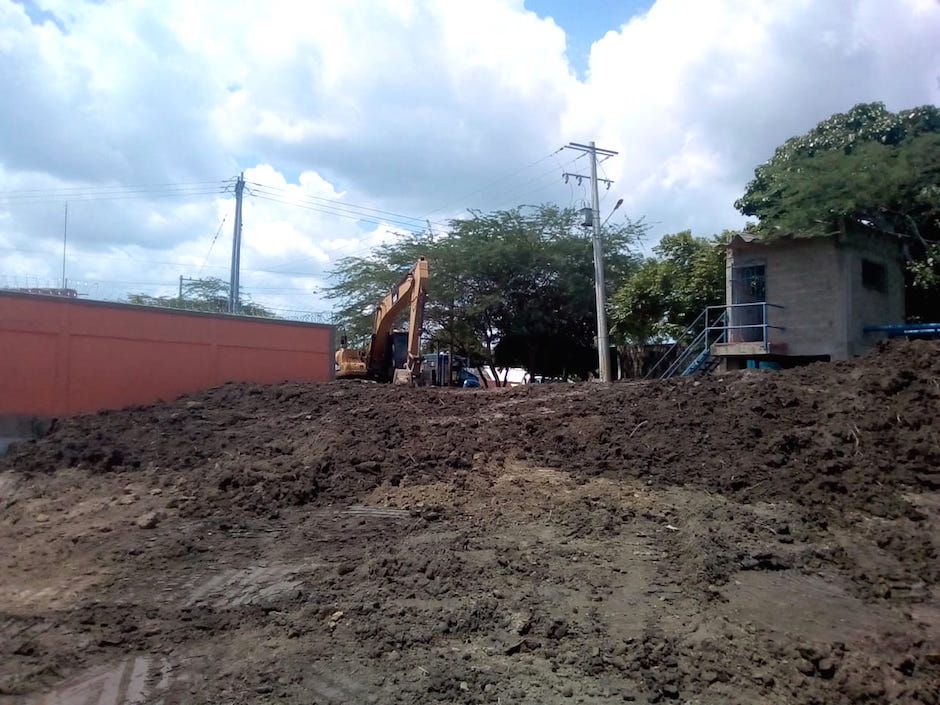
(619, 203)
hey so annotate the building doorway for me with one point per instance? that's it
(748, 296)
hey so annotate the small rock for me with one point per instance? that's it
(805, 667)
(42, 518)
(567, 691)
(156, 491)
(670, 691)
(763, 678)
(464, 685)
(826, 667)
(148, 520)
(907, 666)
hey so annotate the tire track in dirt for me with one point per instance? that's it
(132, 681)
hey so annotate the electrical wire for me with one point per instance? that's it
(351, 215)
(111, 193)
(544, 180)
(496, 181)
(206, 259)
(336, 205)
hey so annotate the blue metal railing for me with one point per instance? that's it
(716, 324)
(681, 344)
(730, 329)
(695, 355)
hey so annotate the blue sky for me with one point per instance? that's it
(587, 21)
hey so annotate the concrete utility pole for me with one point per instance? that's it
(234, 305)
(603, 340)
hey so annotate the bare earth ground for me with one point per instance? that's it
(761, 537)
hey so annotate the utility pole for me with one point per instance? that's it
(603, 340)
(233, 299)
(65, 237)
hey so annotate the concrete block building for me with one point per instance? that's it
(796, 299)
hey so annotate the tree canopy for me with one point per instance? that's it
(667, 291)
(868, 165)
(209, 295)
(512, 287)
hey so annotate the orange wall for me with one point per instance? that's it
(65, 356)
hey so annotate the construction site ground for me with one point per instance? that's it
(757, 537)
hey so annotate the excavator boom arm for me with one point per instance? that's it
(411, 290)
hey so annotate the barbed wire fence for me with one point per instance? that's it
(120, 292)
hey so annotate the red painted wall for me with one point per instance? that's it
(65, 356)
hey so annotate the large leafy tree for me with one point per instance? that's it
(511, 287)
(868, 166)
(666, 293)
(209, 295)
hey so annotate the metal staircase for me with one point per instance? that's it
(692, 348)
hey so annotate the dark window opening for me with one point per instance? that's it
(874, 275)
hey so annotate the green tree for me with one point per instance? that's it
(209, 295)
(868, 166)
(511, 287)
(361, 282)
(665, 294)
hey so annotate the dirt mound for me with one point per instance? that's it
(753, 537)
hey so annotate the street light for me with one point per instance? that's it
(590, 221)
(619, 203)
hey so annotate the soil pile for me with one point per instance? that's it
(758, 537)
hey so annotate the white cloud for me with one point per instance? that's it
(695, 95)
(401, 106)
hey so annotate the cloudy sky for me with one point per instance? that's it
(359, 119)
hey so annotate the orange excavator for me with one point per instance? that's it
(392, 355)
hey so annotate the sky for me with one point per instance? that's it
(125, 123)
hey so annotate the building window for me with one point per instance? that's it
(874, 275)
(749, 284)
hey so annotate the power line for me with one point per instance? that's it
(402, 222)
(544, 179)
(279, 192)
(491, 184)
(110, 193)
(110, 187)
(206, 259)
